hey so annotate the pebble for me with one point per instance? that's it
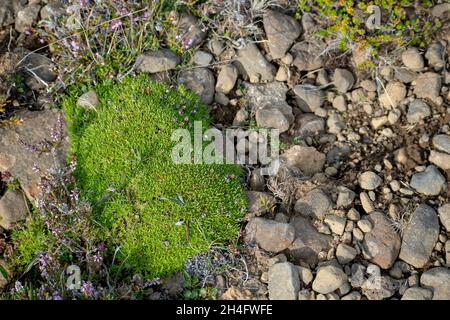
(444, 216)
(369, 180)
(365, 225)
(329, 278)
(284, 281)
(412, 59)
(336, 223)
(430, 182)
(345, 253)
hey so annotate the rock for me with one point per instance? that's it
(340, 104)
(417, 293)
(52, 10)
(191, 30)
(441, 159)
(335, 123)
(199, 80)
(306, 275)
(354, 295)
(345, 253)
(428, 85)
(157, 61)
(366, 203)
(412, 59)
(282, 74)
(216, 46)
(329, 278)
(378, 122)
(429, 182)
(394, 94)
(343, 80)
(345, 197)
(309, 125)
(442, 142)
(405, 75)
(308, 23)
(284, 281)
(13, 208)
(307, 159)
(234, 293)
(18, 160)
(417, 111)
(260, 203)
(270, 235)
(252, 64)
(382, 244)
(379, 287)
(447, 253)
(308, 241)
(440, 10)
(314, 204)
(226, 79)
(275, 117)
(174, 284)
(357, 278)
(38, 70)
(307, 56)
(336, 223)
(420, 236)
(281, 31)
(437, 279)
(353, 214)
(26, 17)
(88, 100)
(369, 180)
(3, 279)
(202, 58)
(241, 117)
(435, 56)
(8, 10)
(369, 85)
(309, 98)
(444, 216)
(256, 180)
(306, 295)
(365, 225)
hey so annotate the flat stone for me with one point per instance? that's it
(13, 208)
(309, 125)
(412, 59)
(270, 235)
(309, 98)
(379, 287)
(369, 180)
(418, 110)
(429, 182)
(444, 216)
(226, 79)
(345, 253)
(428, 85)
(440, 159)
(307, 159)
(199, 80)
(437, 279)
(314, 204)
(157, 61)
(307, 55)
(329, 278)
(336, 223)
(442, 142)
(88, 100)
(202, 58)
(417, 293)
(343, 80)
(394, 94)
(284, 281)
(252, 64)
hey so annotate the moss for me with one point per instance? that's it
(123, 151)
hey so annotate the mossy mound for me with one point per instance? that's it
(160, 213)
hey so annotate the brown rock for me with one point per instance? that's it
(307, 159)
(269, 235)
(13, 208)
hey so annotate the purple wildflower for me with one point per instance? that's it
(115, 24)
(84, 3)
(87, 288)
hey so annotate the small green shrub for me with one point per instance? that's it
(159, 212)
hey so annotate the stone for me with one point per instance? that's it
(366, 203)
(260, 203)
(382, 244)
(369, 85)
(418, 110)
(435, 56)
(429, 182)
(284, 281)
(343, 80)
(275, 117)
(282, 74)
(428, 86)
(417, 293)
(241, 117)
(444, 216)
(442, 142)
(52, 10)
(38, 70)
(345, 197)
(306, 275)
(192, 30)
(216, 46)
(395, 92)
(13, 208)
(379, 287)
(256, 180)
(281, 31)
(440, 159)
(307, 159)
(306, 295)
(309, 98)
(369, 180)
(354, 295)
(202, 58)
(365, 225)
(405, 75)
(307, 56)
(447, 253)
(26, 17)
(329, 278)
(420, 236)
(88, 100)
(226, 79)
(270, 235)
(18, 160)
(8, 11)
(357, 277)
(340, 104)
(335, 123)
(199, 80)
(314, 204)
(309, 125)
(345, 253)
(353, 214)
(438, 279)
(308, 241)
(252, 64)
(336, 223)
(412, 59)
(157, 61)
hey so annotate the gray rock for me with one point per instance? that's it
(405, 75)
(379, 287)
(417, 293)
(329, 278)
(343, 80)
(440, 10)
(394, 94)
(216, 46)
(440, 159)
(412, 59)
(382, 244)
(309, 125)
(308, 241)
(241, 117)
(417, 111)
(26, 17)
(428, 85)
(345, 197)
(38, 70)
(435, 56)
(157, 61)
(226, 79)
(281, 31)
(442, 142)
(270, 235)
(88, 100)
(309, 98)
(345, 253)
(429, 182)
(260, 203)
(50, 10)
(256, 180)
(202, 58)
(16, 159)
(447, 253)
(13, 208)
(336, 223)
(309, 25)
(284, 281)
(306, 275)
(357, 277)
(252, 64)
(365, 225)
(335, 123)
(354, 295)
(191, 30)
(307, 56)
(340, 104)
(444, 216)
(8, 10)
(314, 204)
(307, 159)
(199, 80)
(420, 236)
(369, 180)
(437, 279)
(278, 116)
